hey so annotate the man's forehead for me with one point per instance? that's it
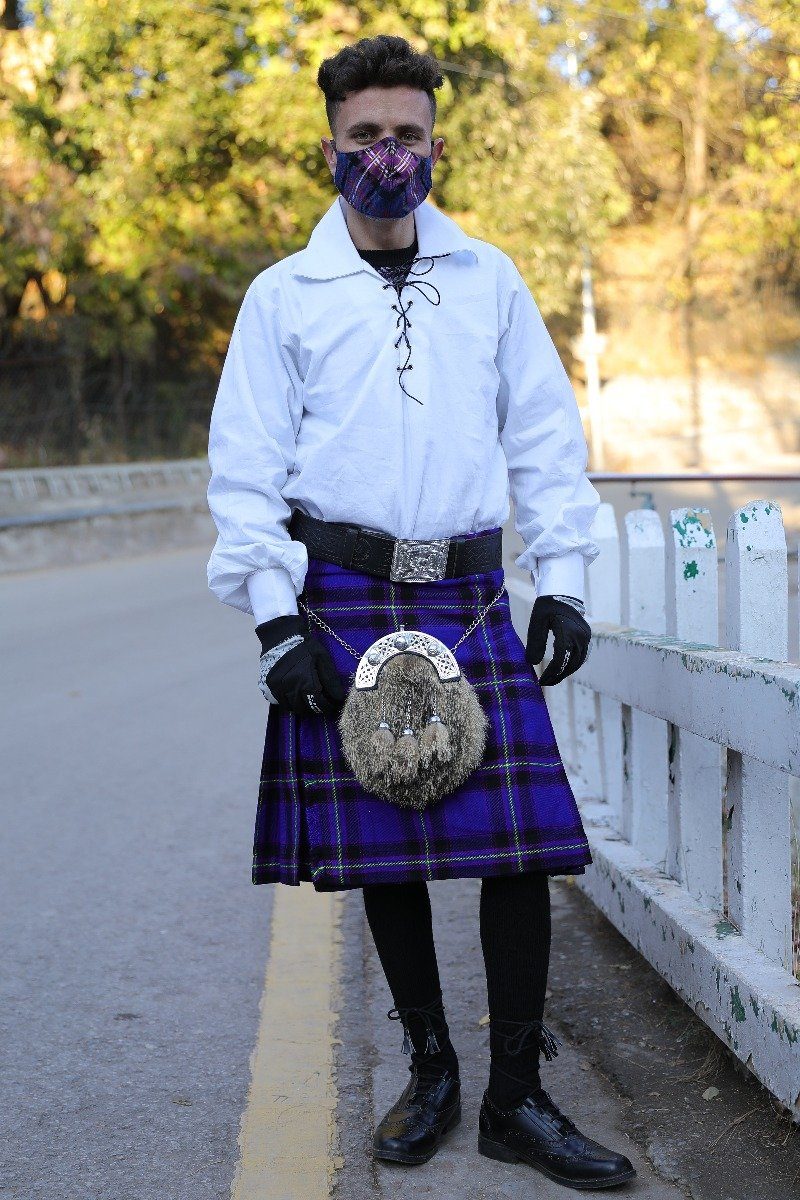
(382, 104)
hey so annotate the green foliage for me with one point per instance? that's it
(156, 154)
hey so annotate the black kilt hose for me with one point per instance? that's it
(516, 812)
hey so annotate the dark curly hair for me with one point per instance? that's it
(382, 61)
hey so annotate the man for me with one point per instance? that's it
(362, 459)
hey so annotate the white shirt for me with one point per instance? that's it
(310, 413)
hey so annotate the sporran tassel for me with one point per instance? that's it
(435, 740)
(382, 744)
(404, 758)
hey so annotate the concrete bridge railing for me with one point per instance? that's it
(35, 484)
(55, 516)
(686, 757)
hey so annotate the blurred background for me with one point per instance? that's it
(639, 161)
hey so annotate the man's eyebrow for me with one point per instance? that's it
(370, 126)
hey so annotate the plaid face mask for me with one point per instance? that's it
(383, 180)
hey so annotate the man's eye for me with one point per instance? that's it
(368, 137)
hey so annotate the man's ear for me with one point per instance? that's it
(438, 148)
(330, 153)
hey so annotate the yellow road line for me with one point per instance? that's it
(288, 1132)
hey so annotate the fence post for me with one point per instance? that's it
(759, 826)
(644, 813)
(597, 719)
(697, 766)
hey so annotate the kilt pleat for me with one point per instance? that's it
(516, 812)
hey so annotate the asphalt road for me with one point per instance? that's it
(133, 943)
(134, 946)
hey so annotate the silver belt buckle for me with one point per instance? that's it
(418, 562)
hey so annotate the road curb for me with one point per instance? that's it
(288, 1131)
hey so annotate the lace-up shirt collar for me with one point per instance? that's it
(393, 264)
(331, 252)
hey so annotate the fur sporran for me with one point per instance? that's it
(412, 727)
(412, 736)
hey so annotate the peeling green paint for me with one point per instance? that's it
(694, 529)
(754, 1005)
(691, 570)
(724, 929)
(743, 517)
(647, 902)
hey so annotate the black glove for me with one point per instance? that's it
(571, 635)
(305, 670)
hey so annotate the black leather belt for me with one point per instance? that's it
(401, 559)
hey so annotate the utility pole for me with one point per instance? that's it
(590, 342)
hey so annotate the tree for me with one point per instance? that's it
(155, 156)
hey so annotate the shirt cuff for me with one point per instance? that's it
(560, 574)
(272, 594)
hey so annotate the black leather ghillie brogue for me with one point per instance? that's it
(427, 1109)
(536, 1132)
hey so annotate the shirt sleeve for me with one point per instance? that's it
(545, 448)
(255, 565)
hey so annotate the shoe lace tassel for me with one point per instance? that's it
(426, 1012)
(516, 1040)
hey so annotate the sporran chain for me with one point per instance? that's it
(357, 656)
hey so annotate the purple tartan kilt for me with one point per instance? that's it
(516, 812)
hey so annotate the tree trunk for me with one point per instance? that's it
(122, 387)
(10, 14)
(75, 383)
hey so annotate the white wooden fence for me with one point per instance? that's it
(684, 756)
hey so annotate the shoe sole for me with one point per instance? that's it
(503, 1153)
(417, 1160)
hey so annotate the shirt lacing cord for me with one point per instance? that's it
(402, 318)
